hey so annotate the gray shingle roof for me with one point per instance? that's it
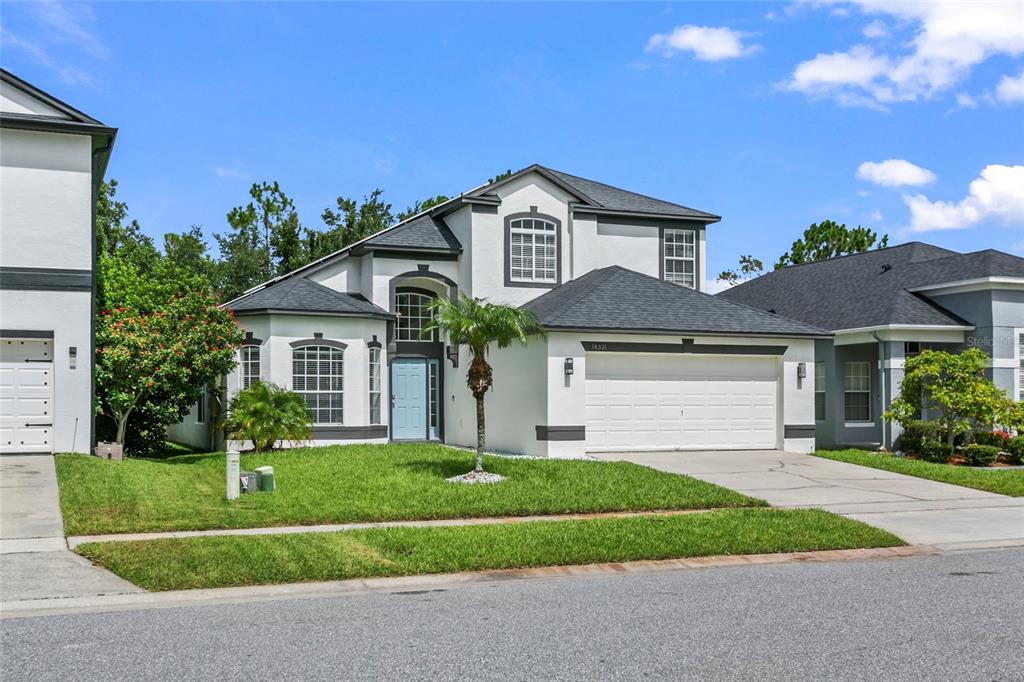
(871, 289)
(616, 199)
(615, 298)
(421, 232)
(305, 295)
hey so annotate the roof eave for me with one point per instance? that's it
(691, 332)
(331, 313)
(706, 218)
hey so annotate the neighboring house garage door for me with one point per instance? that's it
(26, 395)
(689, 402)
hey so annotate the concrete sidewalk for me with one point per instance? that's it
(920, 511)
(34, 559)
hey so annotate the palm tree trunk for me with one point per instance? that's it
(481, 433)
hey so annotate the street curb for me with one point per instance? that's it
(231, 595)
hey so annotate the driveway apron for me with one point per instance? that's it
(916, 509)
(34, 559)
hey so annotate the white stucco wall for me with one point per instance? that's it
(344, 275)
(68, 314)
(46, 211)
(278, 331)
(15, 101)
(461, 224)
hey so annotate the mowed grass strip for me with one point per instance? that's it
(226, 561)
(994, 480)
(356, 483)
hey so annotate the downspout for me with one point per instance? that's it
(96, 183)
(881, 383)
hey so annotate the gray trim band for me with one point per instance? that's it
(561, 432)
(318, 342)
(685, 346)
(371, 431)
(25, 334)
(798, 431)
(45, 279)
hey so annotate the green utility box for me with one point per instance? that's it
(266, 479)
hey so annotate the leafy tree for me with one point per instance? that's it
(499, 177)
(749, 268)
(264, 242)
(350, 222)
(829, 239)
(160, 360)
(186, 254)
(478, 324)
(421, 206)
(954, 386)
(265, 414)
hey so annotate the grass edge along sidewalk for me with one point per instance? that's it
(229, 561)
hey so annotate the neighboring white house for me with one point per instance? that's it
(636, 357)
(52, 160)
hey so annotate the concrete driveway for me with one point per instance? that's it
(34, 559)
(918, 510)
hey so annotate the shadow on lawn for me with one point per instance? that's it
(445, 469)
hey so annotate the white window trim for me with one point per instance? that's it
(305, 391)
(1019, 357)
(859, 422)
(423, 300)
(666, 258)
(515, 227)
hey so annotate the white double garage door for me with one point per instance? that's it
(664, 401)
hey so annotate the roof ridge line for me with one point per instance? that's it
(622, 189)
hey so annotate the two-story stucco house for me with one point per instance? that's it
(636, 356)
(52, 160)
(884, 306)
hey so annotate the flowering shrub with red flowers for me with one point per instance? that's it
(159, 361)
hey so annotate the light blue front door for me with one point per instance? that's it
(409, 404)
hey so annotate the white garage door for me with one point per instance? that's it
(657, 401)
(26, 395)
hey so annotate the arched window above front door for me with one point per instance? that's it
(411, 307)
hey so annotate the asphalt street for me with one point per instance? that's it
(949, 617)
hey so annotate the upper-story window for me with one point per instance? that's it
(412, 307)
(532, 257)
(680, 257)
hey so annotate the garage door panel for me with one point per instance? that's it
(26, 395)
(680, 402)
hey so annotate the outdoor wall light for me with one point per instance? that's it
(72, 357)
(568, 366)
(801, 370)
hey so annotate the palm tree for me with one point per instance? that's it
(478, 324)
(264, 414)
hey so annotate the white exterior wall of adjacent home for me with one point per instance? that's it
(46, 233)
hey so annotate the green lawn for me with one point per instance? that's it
(358, 483)
(225, 561)
(996, 480)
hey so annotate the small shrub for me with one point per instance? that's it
(266, 414)
(1015, 446)
(914, 433)
(993, 438)
(980, 455)
(934, 451)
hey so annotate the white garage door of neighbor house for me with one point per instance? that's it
(656, 401)
(26, 395)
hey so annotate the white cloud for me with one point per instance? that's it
(230, 173)
(894, 173)
(966, 101)
(46, 29)
(1011, 88)
(35, 52)
(997, 196)
(949, 40)
(876, 29)
(707, 43)
(875, 217)
(70, 23)
(716, 285)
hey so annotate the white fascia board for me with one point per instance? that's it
(966, 285)
(935, 333)
(906, 327)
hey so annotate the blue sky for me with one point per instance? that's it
(905, 118)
